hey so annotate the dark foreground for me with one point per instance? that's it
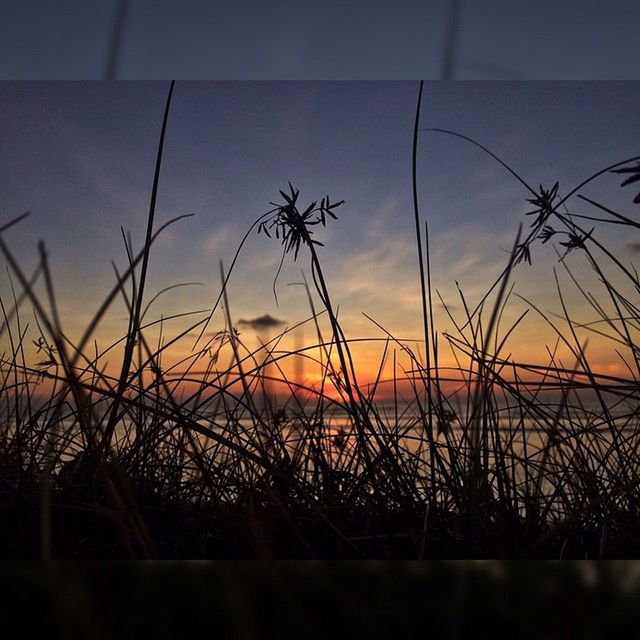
(270, 525)
(311, 600)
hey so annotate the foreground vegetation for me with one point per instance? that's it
(134, 466)
(376, 599)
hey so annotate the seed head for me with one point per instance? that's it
(291, 226)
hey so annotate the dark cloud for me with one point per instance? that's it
(262, 322)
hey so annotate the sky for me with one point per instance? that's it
(322, 39)
(80, 157)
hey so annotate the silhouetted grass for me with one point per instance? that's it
(199, 459)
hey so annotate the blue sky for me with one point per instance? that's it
(80, 156)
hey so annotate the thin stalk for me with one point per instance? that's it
(134, 320)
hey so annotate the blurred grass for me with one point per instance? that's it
(313, 600)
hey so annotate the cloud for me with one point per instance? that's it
(382, 266)
(218, 241)
(262, 322)
(385, 267)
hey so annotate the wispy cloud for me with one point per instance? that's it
(217, 242)
(383, 265)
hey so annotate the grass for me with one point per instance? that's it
(494, 458)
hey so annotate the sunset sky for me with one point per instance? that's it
(80, 157)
